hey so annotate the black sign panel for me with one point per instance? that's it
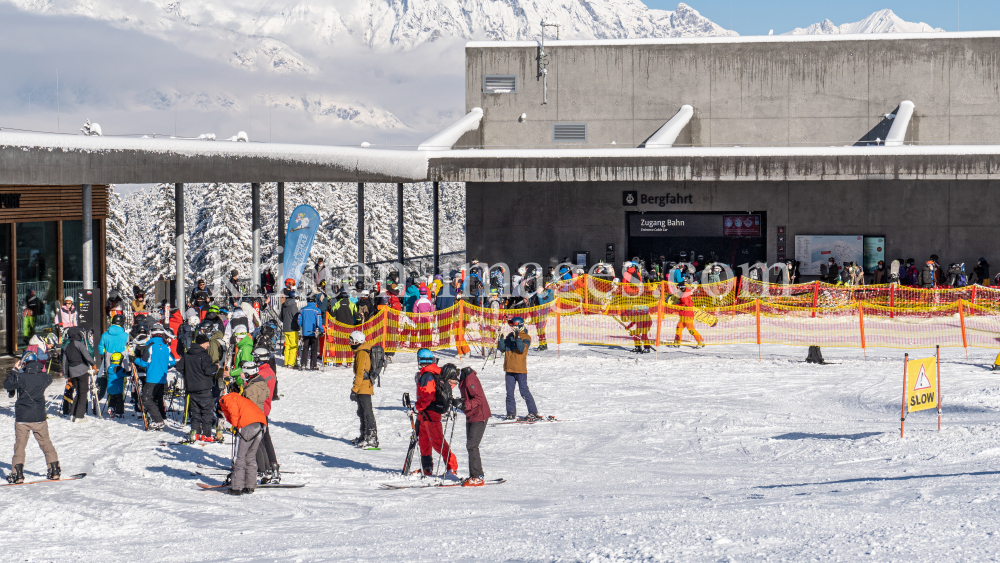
(88, 303)
(674, 225)
(630, 199)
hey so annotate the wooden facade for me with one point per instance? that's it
(29, 204)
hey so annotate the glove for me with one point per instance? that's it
(354, 396)
(466, 371)
(458, 404)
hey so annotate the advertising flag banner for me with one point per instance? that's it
(921, 385)
(302, 227)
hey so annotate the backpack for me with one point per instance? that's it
(442, 390)
(266, 336)
(186, 337)
(376, 356)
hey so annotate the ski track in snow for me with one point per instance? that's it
(696, 455)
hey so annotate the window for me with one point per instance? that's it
(569, 132)
(500, 84)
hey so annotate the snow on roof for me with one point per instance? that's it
(723, 152)
(392, 163)
(740, 39)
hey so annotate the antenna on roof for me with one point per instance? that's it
(543, 60)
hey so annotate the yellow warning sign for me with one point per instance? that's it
(921, 384)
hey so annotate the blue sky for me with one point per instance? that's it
(756, 17)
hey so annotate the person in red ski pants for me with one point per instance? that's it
(433, 400)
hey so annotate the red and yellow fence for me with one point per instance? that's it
(597, 312)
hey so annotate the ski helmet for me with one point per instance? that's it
(206, 327)
(261, 355)
(516, 322)
(116, 358)
(358, 338)
(240, 329)
(249, 368)
(193, 320)
(425, 357)
(119, 320)
(29, 357)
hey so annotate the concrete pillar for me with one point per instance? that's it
(255, 226)
(179, 245)
(399, 224)
(280, 282)
(437, 230)
(88, 237)
(361, 223)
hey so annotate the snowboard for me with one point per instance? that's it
(523, 420)
(264, 486)
(394, 487)
(701, 316)
(76, 477)
(894, 272)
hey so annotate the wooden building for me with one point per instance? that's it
(41, 255)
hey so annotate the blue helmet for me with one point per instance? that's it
(29, 357)
(425, 356)
(516, 322)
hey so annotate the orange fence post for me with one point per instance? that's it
(972, 310)
(892, 301)
(861, 321)
(965, 343)
(902, 408)
(558, 329)
(815, 298)
(756, 306)
(659, 318)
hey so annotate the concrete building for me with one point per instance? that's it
(787, 133)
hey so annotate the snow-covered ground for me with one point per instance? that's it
(692, 456)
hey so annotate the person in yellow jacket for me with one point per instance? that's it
(363, 390)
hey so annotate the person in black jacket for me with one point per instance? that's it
(29, 415)
(199, 372)
(77, 364)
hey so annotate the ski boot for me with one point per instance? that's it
(219, 437)
(473, 482)
(699, 345)
(637, 350)
(247, 491)
(541, 348)
(647, 349)
(16, 476)
(675, 344)
(510, 417)
(533, 417)
(157, 426)
(358, 441)
(54, 471)
(427, 465)
(371, 441)
(234, 492)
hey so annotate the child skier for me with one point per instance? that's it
(363, 390)
(433, 400)
(29, 415)
(477, 411)
(515, 365)
(249, 423)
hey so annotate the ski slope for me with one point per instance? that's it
(694, 455)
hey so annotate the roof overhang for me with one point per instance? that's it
(43, 159)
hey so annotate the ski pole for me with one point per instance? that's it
(443, 430)
(454, 421)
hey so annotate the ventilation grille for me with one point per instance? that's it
(500, 84)
(569, 132)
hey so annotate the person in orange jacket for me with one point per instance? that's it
(249, 422)
(686, 320)
(433, 400)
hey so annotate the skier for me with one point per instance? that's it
(66, 315)
(515, 366)
(477, 411)
(201, 296)
(78, 363)
(311, 323)
(199, 372)
(412, 295)
(366, 306)
(29, 384)
(424, 308)
(320, 273)
(249, 423)
(433, 400)
(267, 461)
(243, 350)
(926, 279)
(686, 320)
(290, 323)
(363, 390)
(833, 272)
(267, 281)
(157, 361)
(115, 341)
(982, 271)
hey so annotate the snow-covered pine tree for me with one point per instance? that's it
(122, 271)
(161, 254)
(222, 239)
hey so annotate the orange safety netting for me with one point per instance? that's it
(600, 312)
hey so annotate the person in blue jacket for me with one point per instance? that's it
(157, 361)
(311, 325)
(115, 341)
(412, 294)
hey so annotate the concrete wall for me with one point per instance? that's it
(523, 222)
(759, 93)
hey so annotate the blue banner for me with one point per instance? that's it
(302, 227)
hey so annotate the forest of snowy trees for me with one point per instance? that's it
(140, 227)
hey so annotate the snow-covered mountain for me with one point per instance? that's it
(883, 21)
